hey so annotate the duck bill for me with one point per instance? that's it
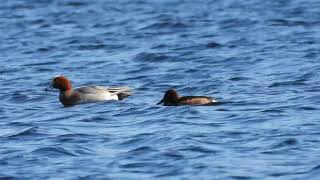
(49, 89)
(160, 102)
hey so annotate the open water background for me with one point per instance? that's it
(260, 58)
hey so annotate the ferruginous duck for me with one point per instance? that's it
(172, 98)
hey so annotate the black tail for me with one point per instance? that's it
(121, 95)
(122, 92)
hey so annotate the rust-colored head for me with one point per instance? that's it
(171, 96)
(61, 83)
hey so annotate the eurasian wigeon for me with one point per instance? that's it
(172, 98)
(87, 94)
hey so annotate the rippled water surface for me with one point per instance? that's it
(259, 58)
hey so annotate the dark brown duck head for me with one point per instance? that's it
(172, 98)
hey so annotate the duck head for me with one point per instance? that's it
(171, 96)
(60, 82)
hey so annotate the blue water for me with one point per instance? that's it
(259, 58)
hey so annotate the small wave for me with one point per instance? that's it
(19, 98)
(239, 78)
(315, 168)
(173, 155)
(7, 177)
(91, 47)
(289, 23)
(198, 149)
(287, 142)
(42, 63)
(137, 139)
(241, 177)
(141, 151)
(53, 152)
(152, 57)
(308, 108)
(171, 173)
(43, 49)
(311, 55)
(25, 133)
(214, 45)
(138, 165)
(75, 3)
(287, 83)
(164, 25)
(79, 138)
(236, 23)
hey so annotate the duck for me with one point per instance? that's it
(172, 98)
(86, 94)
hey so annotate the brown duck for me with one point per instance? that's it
(172, 98)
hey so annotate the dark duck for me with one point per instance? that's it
(172, 98)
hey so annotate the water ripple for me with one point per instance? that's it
(258, 58)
